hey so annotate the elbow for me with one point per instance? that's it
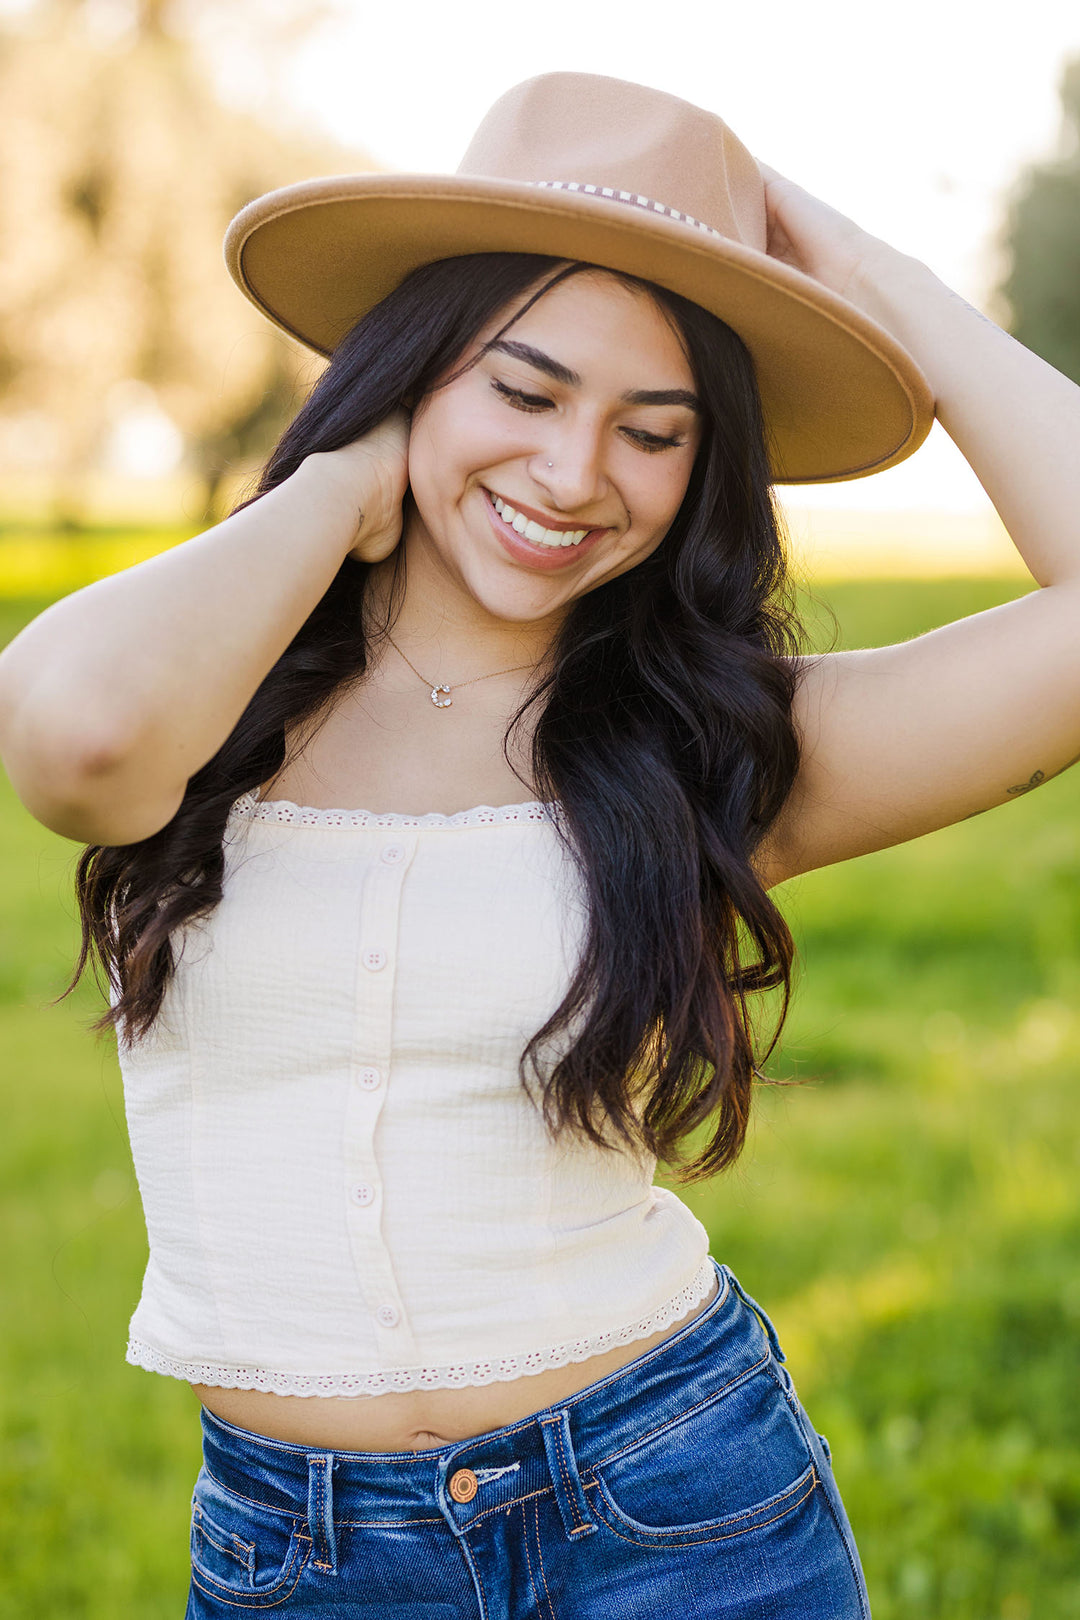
(71, 757)
(78, 783)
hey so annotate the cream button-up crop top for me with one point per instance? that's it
(346, 1188)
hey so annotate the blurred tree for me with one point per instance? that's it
(120, 167)
(1041, 239)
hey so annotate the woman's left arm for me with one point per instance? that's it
(900, 740)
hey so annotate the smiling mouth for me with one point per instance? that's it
(529, 529)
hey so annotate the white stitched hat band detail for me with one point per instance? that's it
(631, 197)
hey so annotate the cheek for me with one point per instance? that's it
(450, 444)
(426, 453)
(656, 501)
(436, 474)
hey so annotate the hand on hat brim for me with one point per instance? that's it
(816, 238)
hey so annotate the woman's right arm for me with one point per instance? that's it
(116, 695)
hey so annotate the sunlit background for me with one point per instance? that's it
(928, 127)
(910, 1216)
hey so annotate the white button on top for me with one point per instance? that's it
(374, 959)
(392, 854)
(363, 1193)
(388, 1315)
(370, 1079)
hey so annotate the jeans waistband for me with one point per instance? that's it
(552, 1448)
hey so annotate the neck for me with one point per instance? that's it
(441, 626)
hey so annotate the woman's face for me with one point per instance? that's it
(593, 380)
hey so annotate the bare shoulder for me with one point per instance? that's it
(778, 856)
(901, 740)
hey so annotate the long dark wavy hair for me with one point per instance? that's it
(663, 729)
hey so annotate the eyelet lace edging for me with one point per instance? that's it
(284, 812)
(454, 1376)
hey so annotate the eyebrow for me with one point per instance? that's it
(563, 374)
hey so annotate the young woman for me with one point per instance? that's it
(398, 1077)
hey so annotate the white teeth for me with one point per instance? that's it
(534, 531)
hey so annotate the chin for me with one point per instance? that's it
(517, 601)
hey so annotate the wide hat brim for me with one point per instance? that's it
(841, 397)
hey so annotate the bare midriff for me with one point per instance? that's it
(419, 1420)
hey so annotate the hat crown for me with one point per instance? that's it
(590, 129)
(582, 167)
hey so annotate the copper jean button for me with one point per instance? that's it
(463, 1485)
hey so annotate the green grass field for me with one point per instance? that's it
(908, 1214)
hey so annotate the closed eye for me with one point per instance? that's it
(537, 402)
(521, 402)
(652, 441)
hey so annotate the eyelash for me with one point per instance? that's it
(651, 442)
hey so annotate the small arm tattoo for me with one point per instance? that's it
(1037, 778)
(1033, 781)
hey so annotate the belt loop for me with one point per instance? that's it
(321, 1510)
(756, 1308)
(577, 1517)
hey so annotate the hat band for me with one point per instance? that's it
(631, 197)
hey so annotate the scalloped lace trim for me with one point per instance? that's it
(303, 815)
(454, 1376)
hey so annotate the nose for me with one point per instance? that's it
(576, 478)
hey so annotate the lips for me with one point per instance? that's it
(541, 530)
(536, 553)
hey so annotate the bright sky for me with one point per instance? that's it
(913, 121)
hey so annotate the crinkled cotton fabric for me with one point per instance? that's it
(347, 1189)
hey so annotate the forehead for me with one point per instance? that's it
(599, 324)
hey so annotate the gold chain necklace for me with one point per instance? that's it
(445, 702)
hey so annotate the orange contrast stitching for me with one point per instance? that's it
(320, 1509)
(564, 1471)
(299, 1516)
(528, 1560)
(223, 1596)
(540, 1555)
(504, 1507)
(703, 1541)
(714, 1395)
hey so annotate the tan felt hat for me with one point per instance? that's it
(585, 167)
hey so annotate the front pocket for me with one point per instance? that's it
(759, 1517)
(213, 1548)
(730, 1465)
(242, 1552)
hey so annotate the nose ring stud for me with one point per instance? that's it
(551, 464)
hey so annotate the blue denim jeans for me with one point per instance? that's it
(688, 1484)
